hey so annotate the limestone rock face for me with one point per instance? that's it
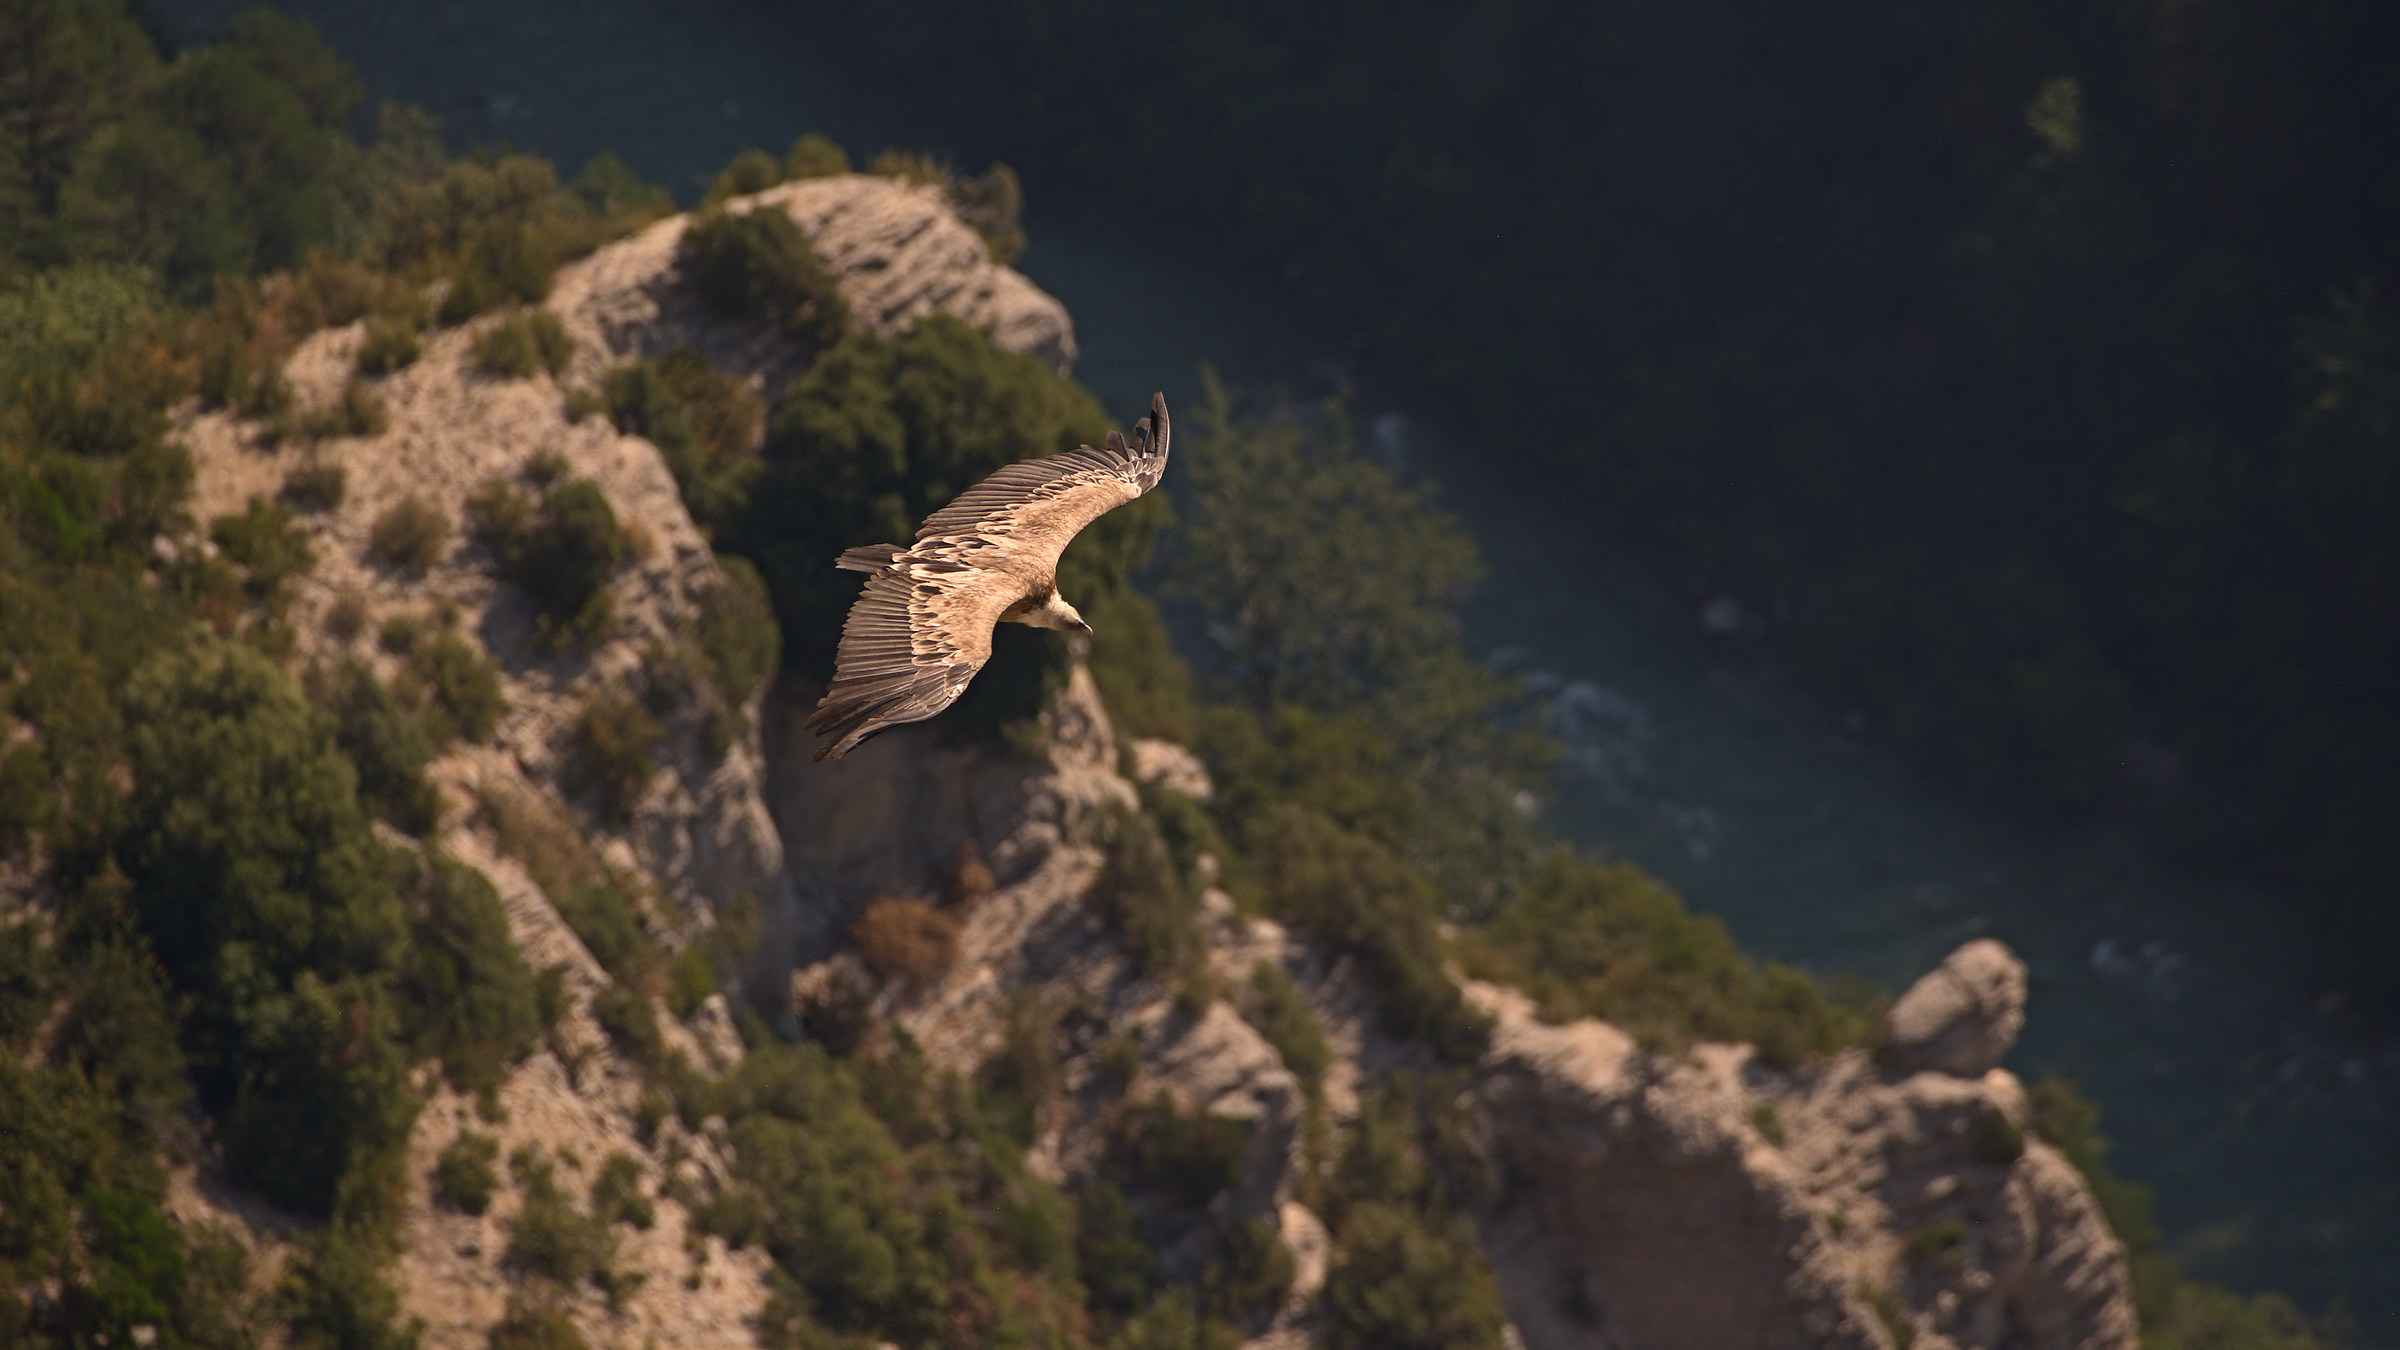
(1963, 1015)
(898, 252)
(1708, 1200)
(1172, 767)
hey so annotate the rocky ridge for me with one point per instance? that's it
(1648, 1200)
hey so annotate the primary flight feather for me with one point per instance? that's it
(923, 626)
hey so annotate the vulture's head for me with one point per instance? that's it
(1055, 612)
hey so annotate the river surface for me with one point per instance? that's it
(2266, 1119)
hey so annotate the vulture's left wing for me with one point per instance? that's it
(1035, 509)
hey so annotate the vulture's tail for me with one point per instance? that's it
(871, 558)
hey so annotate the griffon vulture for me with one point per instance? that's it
(923, 626)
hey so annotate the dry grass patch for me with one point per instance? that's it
(907, 941)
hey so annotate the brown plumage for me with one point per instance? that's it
(923, 626)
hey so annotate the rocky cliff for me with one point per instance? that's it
(1642, 1200)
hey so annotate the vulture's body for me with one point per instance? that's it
(923, 626)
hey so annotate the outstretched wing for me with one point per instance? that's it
(915, 637)
(1035, 509)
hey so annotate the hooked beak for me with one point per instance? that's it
(1085, 627)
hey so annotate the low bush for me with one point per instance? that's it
(270, 546)
(536, 1326)
(522, 344)
(1250, 1281)
(907, 941)
(705, 423)
(1187, 1158)
(474, 998)
(409, 536)
(739, 646)
(1145, 900)
(617, 1193)
(1273, 1005)
(561, 548)
(1398, 1283)
(631, 1023)
(1606, 940)
(815, 156)
(615, 740)
(456, 689)
(1347, 889)
(463, 1173)
(550, 1237)
(750, 171)
(315, 485)
(757, 264)
(389, 344)
(385, 744)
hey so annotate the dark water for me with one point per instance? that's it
(2230, 1082)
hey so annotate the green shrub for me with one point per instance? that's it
(360, 411)
(614, 742)
(617, 1193)
(1399, 1284)
(409, 536)
(1115, 1264)
(1608, 941)
(385, 744)
(314, 485)
(1345, 888)
(1940, 1244)
(336, 1293)
(750, 171)
(1147, 903)
(502, 514)
(815, 156)
(521, 344)
(1274, 1006)
(536, 1326)
(390, 344)
(739, 647)
(244, 827)
(757, 264)
(270, 546)
(626, 1015)
(1253, 1276)
(550, 1237)
(561, 551)
(456, 689)
(705, 424)
(463, 1174)
(1187, 1158)
(1174, 1322)
(473, 995)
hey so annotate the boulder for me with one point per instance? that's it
(1963, 1015)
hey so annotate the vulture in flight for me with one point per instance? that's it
(923, 626)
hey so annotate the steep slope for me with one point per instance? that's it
(1639, 1199)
